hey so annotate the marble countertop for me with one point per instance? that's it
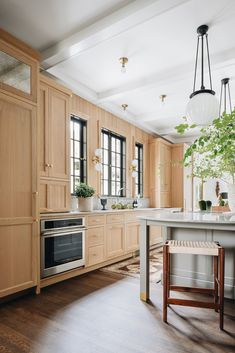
(76, 212)
(192, 217)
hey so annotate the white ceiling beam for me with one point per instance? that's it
(174, 75)
(110, 26)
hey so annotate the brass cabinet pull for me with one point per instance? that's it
(35, 220)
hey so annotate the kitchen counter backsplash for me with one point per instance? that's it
(143, 202)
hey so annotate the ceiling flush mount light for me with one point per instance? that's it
(123, 61)
(97, 159)
(225, 96)
(203, 105)
(124, 107)
(162, 98)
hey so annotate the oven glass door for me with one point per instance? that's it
(62, 251)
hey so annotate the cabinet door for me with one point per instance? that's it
(44, 131)
(18, 195)
(59, 134)
(132, 236)
(165, 167)
(18, 258)
(115, 240)
(54, 195)
(95, 255)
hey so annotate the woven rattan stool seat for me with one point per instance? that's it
(193, 247)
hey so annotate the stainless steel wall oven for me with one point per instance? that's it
(62, 245)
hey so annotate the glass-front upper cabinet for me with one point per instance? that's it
(18, 72)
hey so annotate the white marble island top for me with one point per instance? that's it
(216, 218)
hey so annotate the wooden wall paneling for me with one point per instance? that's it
(98, 118)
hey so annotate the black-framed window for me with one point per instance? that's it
(113, 176)
(139, 169)
(78, 154)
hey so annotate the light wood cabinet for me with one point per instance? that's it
(54, 146)
(19, 231)
(54, 130)
(95, 244)
(95, 255)
(54, 195)
(115, 240)
(95, 236)
(181, 179)
(115, 218)
(96, 220)
(132, 236)
(160, 175)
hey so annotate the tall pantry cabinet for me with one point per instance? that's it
(54, 146)
(19, 225)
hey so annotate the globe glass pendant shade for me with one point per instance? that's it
(202, 108)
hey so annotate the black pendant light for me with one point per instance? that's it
(225, 97)
(203, 105)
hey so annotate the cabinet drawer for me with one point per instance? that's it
(95, 236)
(115, 218)
(95, 255)
(95, 220)
(131, 216)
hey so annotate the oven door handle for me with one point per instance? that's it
(59, 234)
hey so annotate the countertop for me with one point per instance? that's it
(77, 213)
(192, 217)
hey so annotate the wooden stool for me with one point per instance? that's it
(194, 248)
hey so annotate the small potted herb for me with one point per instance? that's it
(85, 194)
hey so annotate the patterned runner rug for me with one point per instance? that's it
(131, 267)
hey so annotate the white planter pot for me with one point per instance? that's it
(85, 204)
(231, 197)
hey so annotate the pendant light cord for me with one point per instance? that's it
(223, 91)
(208, 59)
(229, 96)
(195, 71)
(220, 101)
(202, 65)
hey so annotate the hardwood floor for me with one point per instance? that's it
(101, 313)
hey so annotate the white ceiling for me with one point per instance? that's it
(84, 39)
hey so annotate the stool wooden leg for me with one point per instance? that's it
(165, 281)
(221, 290)
(168, 274)
(215, 281)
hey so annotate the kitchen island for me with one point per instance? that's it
(191, 270)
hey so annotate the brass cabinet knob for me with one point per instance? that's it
(35, 220)
(51, 165)
(47, 165)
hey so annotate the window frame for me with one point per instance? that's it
(139, 180)
(83, 151)
(122, 167)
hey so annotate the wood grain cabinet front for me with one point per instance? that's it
(54, 195)
(95, 236)
(116, 218)
(95, 255)
(115, 240)
(54, 130)
(95, 220)
(132, 236)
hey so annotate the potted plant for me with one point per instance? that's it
(215, 151)
(85, 194)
